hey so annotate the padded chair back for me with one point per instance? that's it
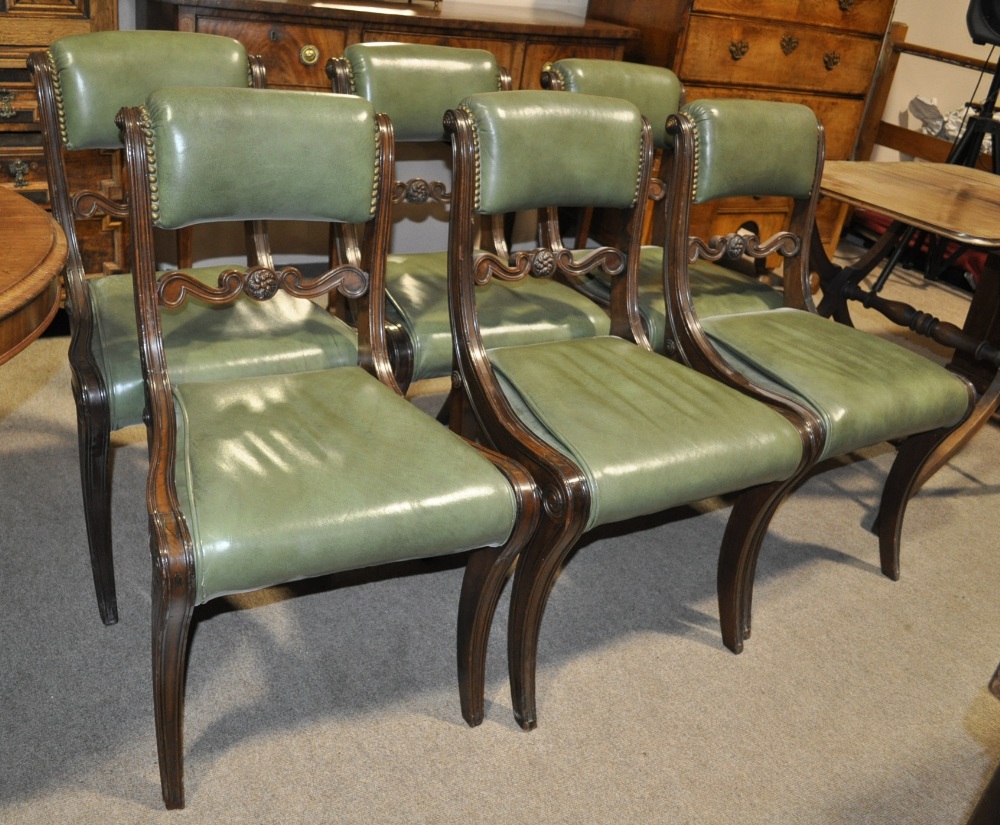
(97, 74)
(222, 154)
(743, 148)
(503, 164)
(569, 167)
(754, 148)
(657, 91)
(416, 84)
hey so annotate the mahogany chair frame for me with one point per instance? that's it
(415, 191)
(691, 343)
(565, 493)
(173, 581)
(90, 391)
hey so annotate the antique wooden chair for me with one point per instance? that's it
(609, 429)
(415, 85)
(82, 81)
(658, 93)
(258, 480)
(857, 389)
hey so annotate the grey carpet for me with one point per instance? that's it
(857, 700)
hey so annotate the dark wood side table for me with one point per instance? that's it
(956, 203)
(34, 251)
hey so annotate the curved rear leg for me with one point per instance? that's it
(981, 413)
(534, 578)
(904, 479)
(741, 543)
(486, 571)
(485, 574)
(171, 622)
(94, 441)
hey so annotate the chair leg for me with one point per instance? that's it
(485, 574)
(171, 624)
(533, 581)
(94, 435)
(741, 543)
(904, 478)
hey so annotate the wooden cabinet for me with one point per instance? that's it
(296, 39)
(823, 53)
(26, 26)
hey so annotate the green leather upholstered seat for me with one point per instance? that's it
(865, 389)
(610, 429)
(256, 480)
(658, 93)
(856, 389)
(82, 82)
(662, 437)
(253, 453)
(415, 85)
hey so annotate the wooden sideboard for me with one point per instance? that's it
(26, 26)
(297, 37)
(824, 53)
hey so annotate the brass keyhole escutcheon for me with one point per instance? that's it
(309, 55)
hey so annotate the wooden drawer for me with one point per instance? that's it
(863, 16)
(294, 55)
(721, 50)
(840, 116)
(22, 165)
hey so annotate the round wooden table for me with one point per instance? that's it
(32, 254)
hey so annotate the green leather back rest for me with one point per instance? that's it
(539, 148)
(99, 73)
(416, 84)
(244, 154)
(655, 90)
(753, 147)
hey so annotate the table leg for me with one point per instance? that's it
(982, 323)
(976, 346)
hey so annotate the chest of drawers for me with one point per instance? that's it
(823, 53)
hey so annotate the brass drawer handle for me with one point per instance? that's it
(7, 111)
(831, 60)
(19, 171)
(789, 44)
(309, 55)
(738, 49)
(846, 5)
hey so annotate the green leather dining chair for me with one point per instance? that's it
(81, 82)
(658, 93)
(858, 389)
(415, 85)
(256, 480)
(609, 429)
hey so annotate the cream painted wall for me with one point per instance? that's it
(939, 24)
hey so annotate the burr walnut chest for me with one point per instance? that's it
(824, 53)
(297, 37)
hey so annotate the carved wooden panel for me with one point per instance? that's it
(43, 8)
